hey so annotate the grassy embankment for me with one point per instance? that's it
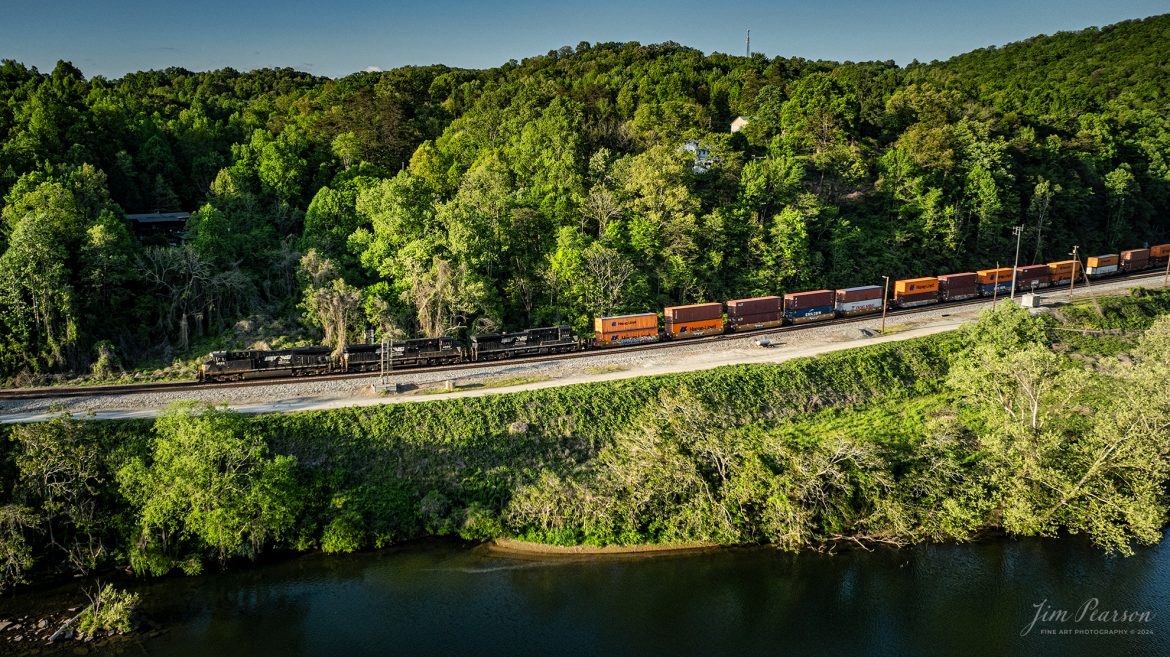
(892, 443)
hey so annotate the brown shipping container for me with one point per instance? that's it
(1102, 261)
(959, 280)
(738, 307)
(866, 293)
(619, 323)
(1160, 251)
(902, 299)
(1032, 276)
(694, 313)
(1135, 259)
(989, 276)
(953, 286)
(756, 317)
(915, 286)
(1032, 272)
(801, 300)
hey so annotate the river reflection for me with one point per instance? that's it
(438, 598)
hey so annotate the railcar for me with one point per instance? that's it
(804, 307)
(957, 287)
(265, 364)
(531, 342)
(1102, 265)
(854, 301)
(1032, 278)
(621, 330)
(408, 353)
(754, 313)
(913, 292)
(693, 321)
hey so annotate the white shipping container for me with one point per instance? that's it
(1100, 271)
(859, 307)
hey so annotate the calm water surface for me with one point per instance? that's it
(446, 599)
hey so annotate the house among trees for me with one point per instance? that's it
(739, 123)
(702, 153)
(159, 227)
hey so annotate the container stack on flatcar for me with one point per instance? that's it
(1159, 254)
(912, 292)
(1134, 260)
(995, 281)
(1102, 265)
(1032, 277)
(853, 301)
(693, 321)
(625, 329)
(755, 313)
(1063, 272)
(957, 287)
(804, 307)
(530, 342)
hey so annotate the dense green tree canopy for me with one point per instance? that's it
(506, 193)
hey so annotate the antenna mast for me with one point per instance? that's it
(749, 43)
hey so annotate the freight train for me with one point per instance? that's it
(680, 322)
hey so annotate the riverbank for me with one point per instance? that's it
(892, 443)
(515, 547)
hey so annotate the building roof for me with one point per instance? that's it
(159, 217)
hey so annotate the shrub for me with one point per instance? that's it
(109, 610)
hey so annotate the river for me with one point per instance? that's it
(444, 598)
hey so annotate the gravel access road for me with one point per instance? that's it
(517, 375)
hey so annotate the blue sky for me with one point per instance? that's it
(112, 37)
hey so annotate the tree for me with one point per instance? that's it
(608, 272)
(446, 296)
(329, 301)
(210, 489)
(40, 308)
(347, 148)
(819, 113)
(61, 475)
(16, 553)
(1120, 189)
(1040, 208)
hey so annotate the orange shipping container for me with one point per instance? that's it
(1063, 269)
(695, 329)
(916, 286)
(1101, 261)
(993, 276)
(619, 323)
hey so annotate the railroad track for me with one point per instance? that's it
(185, 386)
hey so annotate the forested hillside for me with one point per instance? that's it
(595, 179)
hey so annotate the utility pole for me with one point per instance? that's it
(885, 294)
(749, 43)
(387, 362)
(1076, 268)
(1166, 283)
(1019, 231)
(995, 287)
